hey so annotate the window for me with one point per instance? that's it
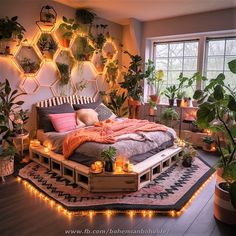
(219, 52)
(174, 58)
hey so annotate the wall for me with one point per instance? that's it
(28, 13)
(195, 23)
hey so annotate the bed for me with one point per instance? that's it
(150, 152)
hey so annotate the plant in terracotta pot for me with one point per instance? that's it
(108, 156)
(215, 101)
(179, 97)
(67, 29)
(188, 155)
(170, 93)
(208, 144)
(168, 116)
(8, 104)
(152, 107)
(133, 80)
(154, 80)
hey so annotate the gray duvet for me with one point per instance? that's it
(136, 147)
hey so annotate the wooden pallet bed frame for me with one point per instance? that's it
(144, 172)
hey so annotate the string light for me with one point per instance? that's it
(131, 213)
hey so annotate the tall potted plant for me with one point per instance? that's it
(215, 101)
(8, 104)
(154, 80)
(133, 79)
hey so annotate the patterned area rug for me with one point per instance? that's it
(169, 191)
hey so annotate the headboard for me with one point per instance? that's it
(74, 99)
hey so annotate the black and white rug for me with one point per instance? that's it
(169, 191)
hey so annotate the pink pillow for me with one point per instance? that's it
(63, 122)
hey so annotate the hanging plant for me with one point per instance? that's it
(84, 50)
(29, 66)
(65, 72)
(100, 38)
(112, 72)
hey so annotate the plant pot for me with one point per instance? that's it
(155, 98)
(151, 111)
(134, 108)
(178, 102)
(223, 209)
(6, 165)
(65, 43)
(108, 166)
(187, 162)
(171, 102)
(219, 172)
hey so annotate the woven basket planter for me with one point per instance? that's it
(6, 166)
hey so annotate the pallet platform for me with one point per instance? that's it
(144, 172)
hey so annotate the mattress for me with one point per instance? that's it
(135, 147)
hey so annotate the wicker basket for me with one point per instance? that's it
(6, 165)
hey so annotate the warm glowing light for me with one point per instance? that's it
(118, 170)
(131, 213)
(35, 143)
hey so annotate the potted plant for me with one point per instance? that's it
(29, 66)
(84, 50)
(10, 29)
(208, 144)
(188, 155)
(170, 92)
(154, 80)
(19, 119)
(168, 116)
(152, 107)
(116, 102)
(179, 97)
(100, 38)
(133, 79)
(67, 28)
(108, 156)
(8, 104)
(64, 70)
(215, 101)
(85, 19)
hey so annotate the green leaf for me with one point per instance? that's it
(232, 103)
(218, 92)
(19, 103)
(7, 87)
(232, 66)
(198, 94)
(220, 78)
(233, 130)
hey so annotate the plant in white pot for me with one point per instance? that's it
(8, 104)
(215, 101)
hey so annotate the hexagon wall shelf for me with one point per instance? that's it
(99, 62)
(29, 85)
(47, 45)
(109, 50)
(28, 61)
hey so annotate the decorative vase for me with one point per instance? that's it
(108, 166)
(178, 102)
(6, 165)
(171, 102)
(223, 209)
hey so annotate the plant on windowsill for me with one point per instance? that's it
(133, 80)
(8, 104)
(108, 156)
(154, 80)
(170, 93)
(215, 101)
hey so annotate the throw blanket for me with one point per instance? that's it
(106, 132)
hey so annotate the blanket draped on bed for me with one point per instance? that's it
(106, 132)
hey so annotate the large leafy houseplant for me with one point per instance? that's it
(217, 101)
(8, 104)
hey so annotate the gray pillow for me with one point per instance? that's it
(91, 105)
(104, 112)
(43, 112)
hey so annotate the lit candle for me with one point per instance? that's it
(130, 168)
(126, 166)
(98, 165)
(119, 161)
(46, 149)
(35, 142)
(118, 169)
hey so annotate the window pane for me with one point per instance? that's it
(161, 50)
(175, 64)
(190, 64)
(161, 64)
(212, 74)
(216, 47)
(230, 79)
(176, 50)
(215, 63)
(191, 49)
(230, 47)
(173, 76)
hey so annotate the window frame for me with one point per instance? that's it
(202, 47)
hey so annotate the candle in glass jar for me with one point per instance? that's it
(118, 169)
(119, 161)
(46, 149)
(130, 168)
(98, 165)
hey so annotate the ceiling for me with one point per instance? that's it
(119, 11)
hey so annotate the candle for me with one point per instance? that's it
(126, 166)
(119, 161)
(35, 142)
(98, 165)
(46, 149)
(118, 169)
(130, 168)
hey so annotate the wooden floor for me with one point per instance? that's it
(23, 214)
